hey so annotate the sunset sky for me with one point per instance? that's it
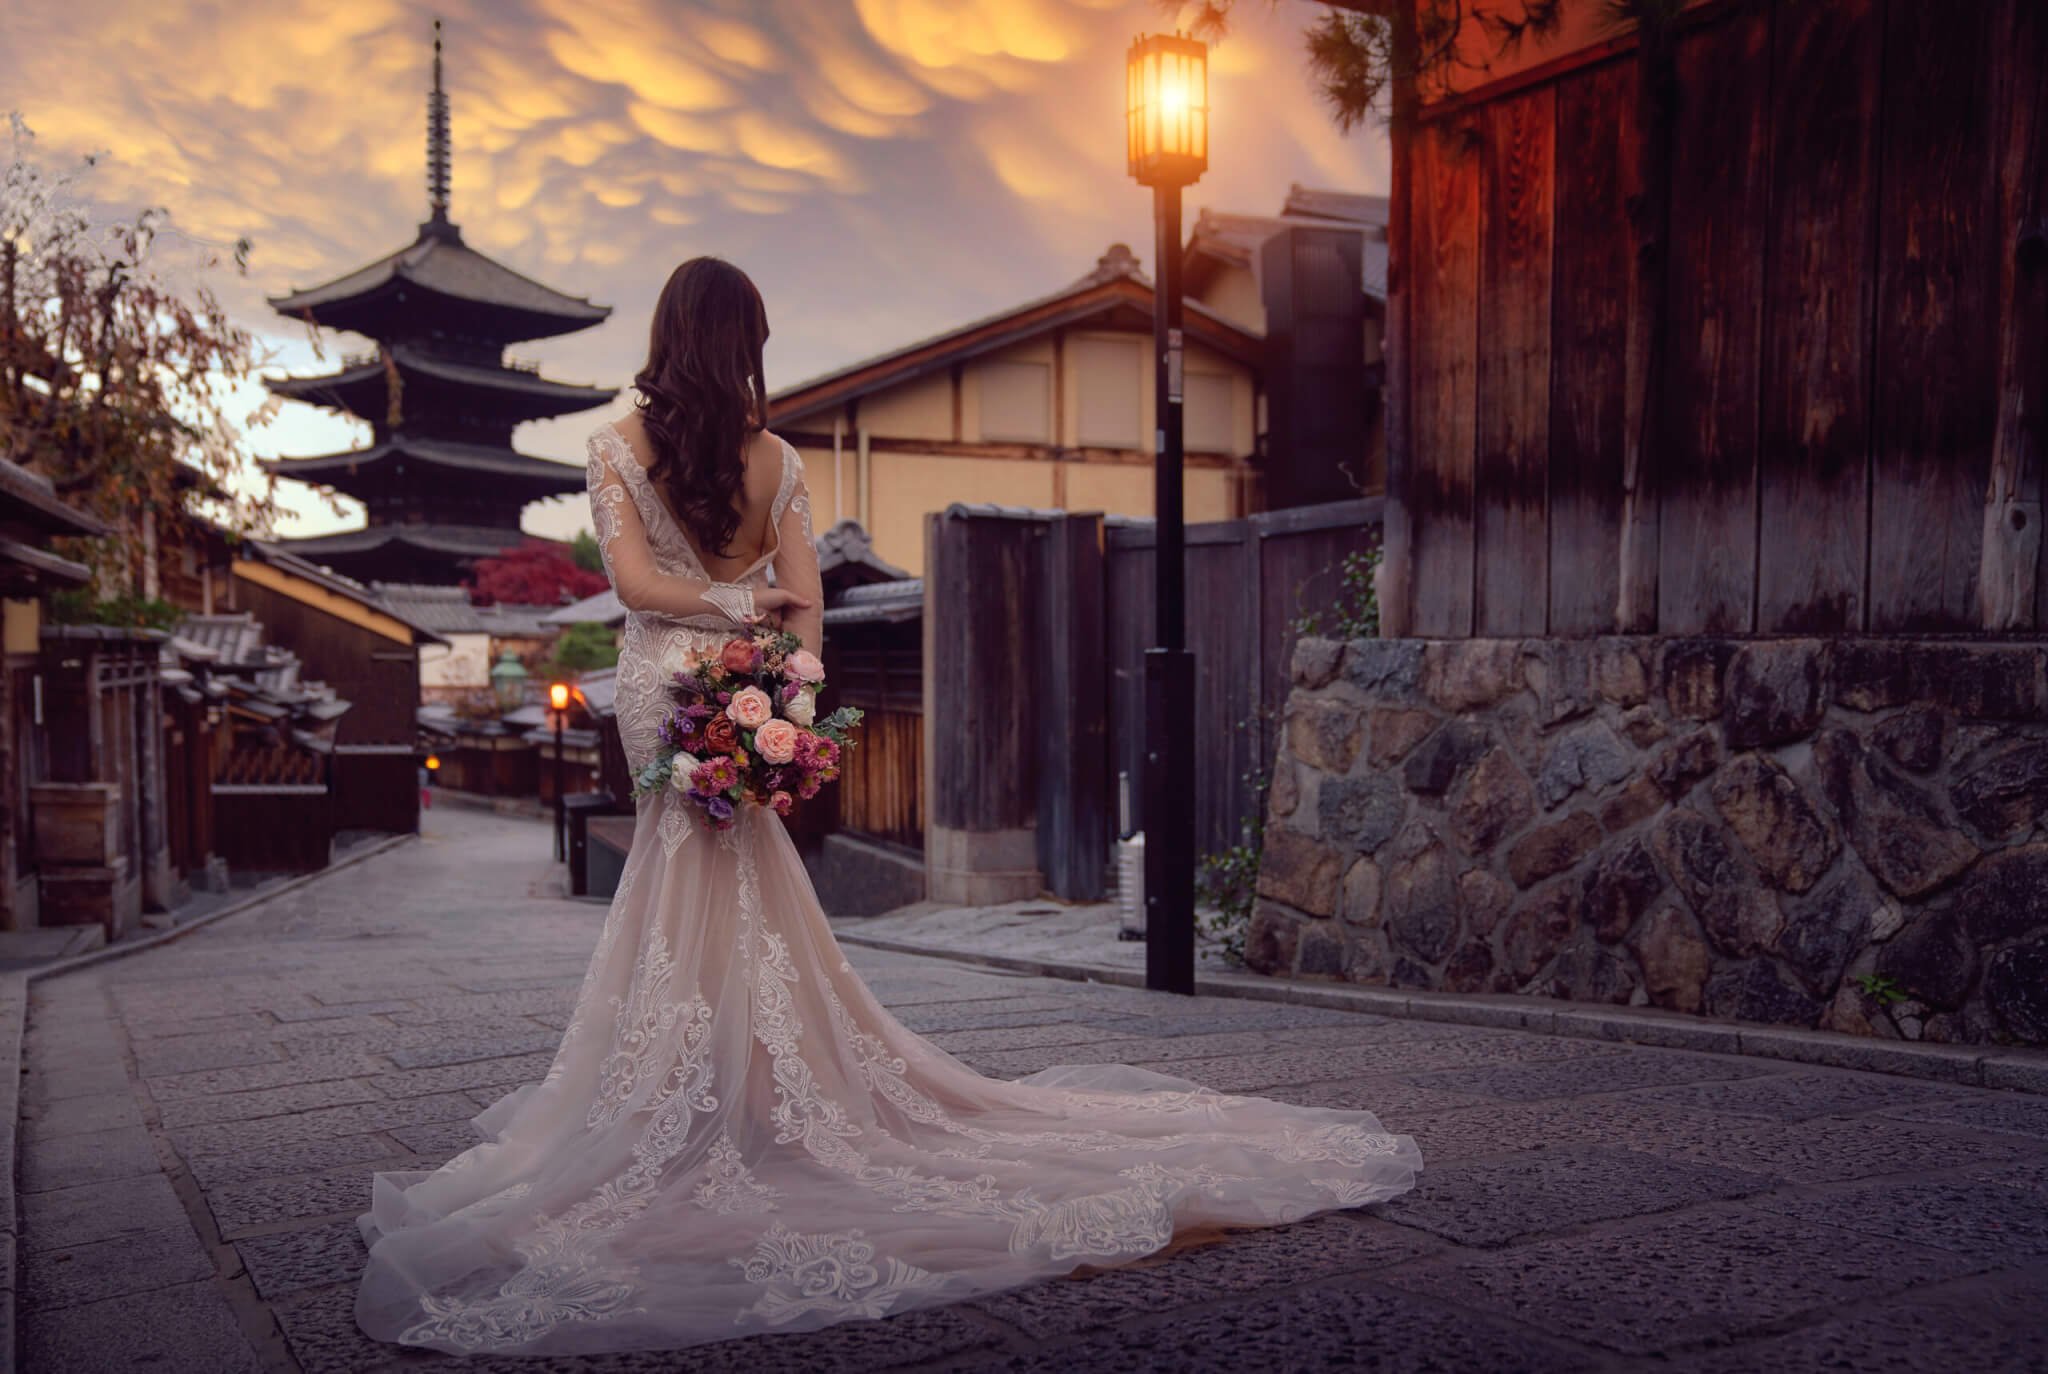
(884, 169)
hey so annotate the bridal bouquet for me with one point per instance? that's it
(745, 729)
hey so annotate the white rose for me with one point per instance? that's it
(680, 769)
(803, 710)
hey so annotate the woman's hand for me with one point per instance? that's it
(771, 604)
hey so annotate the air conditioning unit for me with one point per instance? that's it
(1130, 887)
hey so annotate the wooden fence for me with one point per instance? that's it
(1038, 627)
(879, 668)
(1249, 581)
(274, 827)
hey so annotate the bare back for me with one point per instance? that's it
(759, 485)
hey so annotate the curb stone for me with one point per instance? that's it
(13, 1027)
(1978, 1066)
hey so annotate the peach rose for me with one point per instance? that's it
(804, 666)
(776, 741)
(750, 708)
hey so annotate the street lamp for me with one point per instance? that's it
(1166, 128)
(558, 702)
(508, 682)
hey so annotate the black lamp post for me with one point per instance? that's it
(558, 701)
(1166, 123)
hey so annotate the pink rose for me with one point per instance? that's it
(776, 741)
(750, 708)
(739, 656)
(804, 666)
(782, 802)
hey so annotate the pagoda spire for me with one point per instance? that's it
(437, 141)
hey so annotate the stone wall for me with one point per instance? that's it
(1738, 827)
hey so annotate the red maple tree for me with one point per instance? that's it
(535, 574)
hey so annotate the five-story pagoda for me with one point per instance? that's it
(440, 481)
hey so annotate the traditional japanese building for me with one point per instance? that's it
(442, 484)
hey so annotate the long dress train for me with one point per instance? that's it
(734, 1136)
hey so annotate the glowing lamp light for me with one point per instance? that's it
(1166, 110)
(558, 696)
(433, 762)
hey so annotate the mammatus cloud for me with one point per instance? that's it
(884, 168)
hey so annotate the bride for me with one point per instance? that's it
(734, 1135)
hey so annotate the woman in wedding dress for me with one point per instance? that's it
(734, 1135)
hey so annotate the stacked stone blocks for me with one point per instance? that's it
(1761, 829)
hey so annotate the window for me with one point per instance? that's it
(1206, 413)
(1016, 401)
(1112, 378)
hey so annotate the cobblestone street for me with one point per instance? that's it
(201, 1122)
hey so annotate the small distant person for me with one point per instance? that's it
(426, 789)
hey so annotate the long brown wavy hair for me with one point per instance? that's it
(704, 395)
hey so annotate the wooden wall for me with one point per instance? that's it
(878, 668)
(1852, 184)
(379, 677)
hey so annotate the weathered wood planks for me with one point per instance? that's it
(1589, 323)
(1707, 508)
(1443, 339)
(1511, 578)
(2013, 582)
(1934, 406)
(1814, 428)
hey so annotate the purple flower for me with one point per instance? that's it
(718, 808)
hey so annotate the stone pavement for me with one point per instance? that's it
(200, 1122)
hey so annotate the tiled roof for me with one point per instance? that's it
(466, 541)
(847, 546)
(448, 610)
(32, 499)
(296, 557)
(229, 639)
(1347, 206)
(878, 601)
(602, 609)
(1117, 265)
(480, 458)
(1236, 238)
(424, 364)
(451, 267)
(599, 690)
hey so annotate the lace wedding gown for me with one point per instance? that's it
(735, 1136)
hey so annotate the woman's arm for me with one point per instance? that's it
(796, 565)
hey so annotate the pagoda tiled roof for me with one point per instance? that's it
(446, 453)
(444, 264)
(459, 541)
(424, 364)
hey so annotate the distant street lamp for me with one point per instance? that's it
(1166, 127)
(508, 683)
(558, 703)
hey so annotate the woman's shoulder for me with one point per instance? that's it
(626, 435)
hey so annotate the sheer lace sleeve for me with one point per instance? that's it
(629, 562)
(796, 557)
